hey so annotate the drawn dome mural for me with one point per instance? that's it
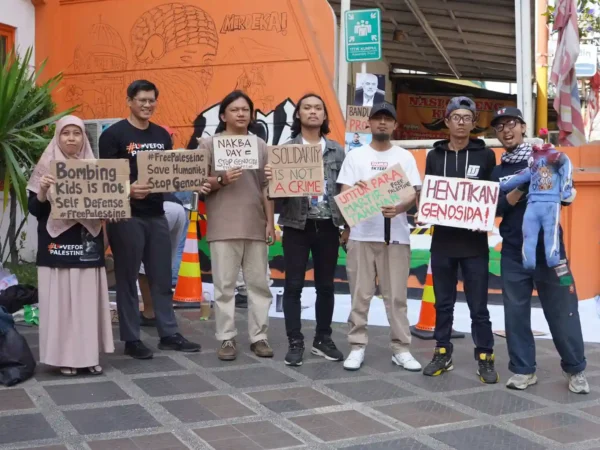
(103, 50)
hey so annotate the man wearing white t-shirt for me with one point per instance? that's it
(369, 257)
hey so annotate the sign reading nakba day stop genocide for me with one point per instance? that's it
(90, 189)
(297, 171)
(458, 202)
(357, 119)
(173, 170)
(235, 152)
(385, 189)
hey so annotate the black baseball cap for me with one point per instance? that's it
(509, 111)
(384, 107)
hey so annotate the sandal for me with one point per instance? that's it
(95, 370)
(68, 371)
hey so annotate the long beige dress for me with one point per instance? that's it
(75, 324)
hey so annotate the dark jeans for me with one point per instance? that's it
(560, 307)
(321, 237)
(132, 241)
(475, 274)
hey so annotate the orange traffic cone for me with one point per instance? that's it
(189, 281)
(426, 325)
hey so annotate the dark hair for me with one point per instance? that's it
(297, 126)
(228, 100)
(141, 85)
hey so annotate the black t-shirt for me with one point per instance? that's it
(76, 248)
(123, 140)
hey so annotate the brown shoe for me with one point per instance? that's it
(262, 349)
(228, 350)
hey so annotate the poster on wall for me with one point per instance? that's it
(422, 116)
(370, 89)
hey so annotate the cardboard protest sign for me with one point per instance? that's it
(173, 170)
(458, 202)
(90, 189)
(357, 119)
(384, 189)
(297, 170)
(235, 151)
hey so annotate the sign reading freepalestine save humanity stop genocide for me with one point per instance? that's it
(458, 202)
(173, 170)
(297, 170)
(90, 189)
(385, 189)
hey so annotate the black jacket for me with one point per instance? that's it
(475, 161)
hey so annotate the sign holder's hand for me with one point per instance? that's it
(139, 191)
(345, 236)
(270, 234)
(268, 172)
(46, 182)
(205, 189)
(362, 184)
(389, 212)
(232, 175)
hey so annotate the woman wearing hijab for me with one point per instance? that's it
(75, 323)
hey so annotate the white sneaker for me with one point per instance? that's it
(355, 359)
(407, 361)
(521, 382)
(578, 383)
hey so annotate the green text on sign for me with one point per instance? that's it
(363, 35)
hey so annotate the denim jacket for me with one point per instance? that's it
(294, 210)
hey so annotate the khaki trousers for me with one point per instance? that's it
(227, 257)
(365, 262)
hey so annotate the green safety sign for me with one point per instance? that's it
(363, 35)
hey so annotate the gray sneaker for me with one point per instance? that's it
(521, 382)
(577, 383)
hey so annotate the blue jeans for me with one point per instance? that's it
(560, 307)
(546, 216)
(185, 197)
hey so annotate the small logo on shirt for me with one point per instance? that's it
(472, 171)
(379, 165)
(65, 250)
(133, 148)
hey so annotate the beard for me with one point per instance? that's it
(381, 137)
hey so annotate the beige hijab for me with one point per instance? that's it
(53, 152)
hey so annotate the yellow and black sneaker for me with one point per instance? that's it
(441, 362)
(487, 372)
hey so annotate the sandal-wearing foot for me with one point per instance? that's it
(68, 371)
(95, 370)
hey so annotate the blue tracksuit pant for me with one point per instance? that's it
(546, 216)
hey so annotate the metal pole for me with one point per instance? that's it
(542, 65)
(523, 52)
(363, 67)
(342, 63)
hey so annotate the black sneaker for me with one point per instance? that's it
(441, 362)
(295, 353)
(487, 372)
(324, 346)
(137, 350)
(147, 322)
(241, 301)
(178, 343)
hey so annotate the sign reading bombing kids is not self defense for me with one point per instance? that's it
(90, 189)
(297, 170)
(173, 170)
(387, 188)
(458, 202)
(235, 152)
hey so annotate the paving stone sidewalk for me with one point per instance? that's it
(195, 401)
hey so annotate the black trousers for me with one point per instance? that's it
(475, 273)
(321, 237)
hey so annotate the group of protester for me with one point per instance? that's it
(75, 321)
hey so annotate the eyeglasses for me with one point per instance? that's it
(456, 118)
(145, 101)
(509, 124)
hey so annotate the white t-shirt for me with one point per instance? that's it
(363, 163)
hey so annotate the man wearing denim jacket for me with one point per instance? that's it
(312, 225)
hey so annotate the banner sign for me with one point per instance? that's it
(357, 119)
(387, 188)
(173, 170)
(422, 116)
(458, 202)
(297, 171)
(235, 151)
(90, 189)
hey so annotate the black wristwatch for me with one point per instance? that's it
(220, 180)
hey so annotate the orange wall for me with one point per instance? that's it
(195, 51)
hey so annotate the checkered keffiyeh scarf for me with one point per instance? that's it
(519, 154)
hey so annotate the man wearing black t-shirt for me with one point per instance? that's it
(144, 237)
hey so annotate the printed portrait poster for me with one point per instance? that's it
(370, 89)
(357, 140)
(458, 202)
